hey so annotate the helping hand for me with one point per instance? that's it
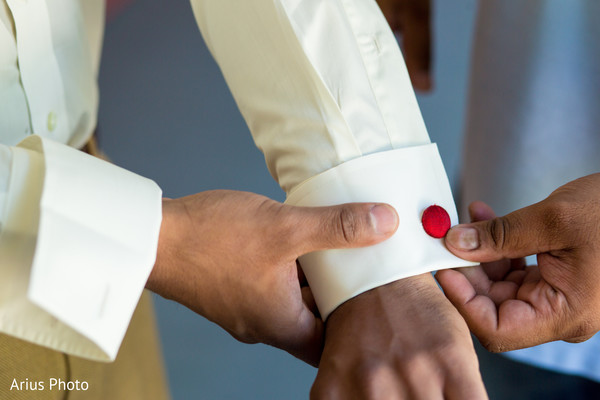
(509, 306)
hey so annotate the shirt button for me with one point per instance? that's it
(51, 122)
(436, 221)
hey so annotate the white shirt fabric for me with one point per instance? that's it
(325, 92)
(78, 236)
(533, 122)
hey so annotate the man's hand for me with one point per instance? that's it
(231, 257)
(412, 19)
(510, 306)
(403, 340)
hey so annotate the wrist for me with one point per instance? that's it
(159, 279)
(391, 304)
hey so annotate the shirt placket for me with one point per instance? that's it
(38, 66)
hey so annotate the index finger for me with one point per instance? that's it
(529, 317)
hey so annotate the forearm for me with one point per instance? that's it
(327, 98)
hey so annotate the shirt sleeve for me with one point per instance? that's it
(325, 92)
(78, 239)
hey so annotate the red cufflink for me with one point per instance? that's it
(436, 221)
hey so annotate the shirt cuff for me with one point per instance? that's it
(410, 179)
(93, 236)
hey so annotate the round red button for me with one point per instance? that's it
(436, 221)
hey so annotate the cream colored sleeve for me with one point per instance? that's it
(325, 92)
(78, 239)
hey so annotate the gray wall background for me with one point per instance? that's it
(166, 113)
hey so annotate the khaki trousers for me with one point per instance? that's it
(137, 373)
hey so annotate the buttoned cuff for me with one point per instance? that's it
(410, 179)
(92, 229)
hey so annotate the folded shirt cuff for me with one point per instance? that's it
(94, 245)
(410, 179)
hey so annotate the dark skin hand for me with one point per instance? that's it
(509, 305)
(231, 257)
(403, 340)
(412, 18)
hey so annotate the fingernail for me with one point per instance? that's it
(463, 238)
(384, 219)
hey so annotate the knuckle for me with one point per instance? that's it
(507, 234)
(493, 345)
(449, 358)
(348, 225)
(498, 229)
(242, 333)
(579, 339)
(368, 370)
(558, 221)
(414, 363)
(557, 215)
(373, 374)
(454, 353)
(582, 331)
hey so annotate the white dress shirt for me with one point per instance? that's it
(324, 89)
(325, 92)
(78, 235)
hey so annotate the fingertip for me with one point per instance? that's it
(456, 286)
(480, 211)
(442, 274)
(461, 239)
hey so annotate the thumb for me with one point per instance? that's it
(527, 231)
(344, 226)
